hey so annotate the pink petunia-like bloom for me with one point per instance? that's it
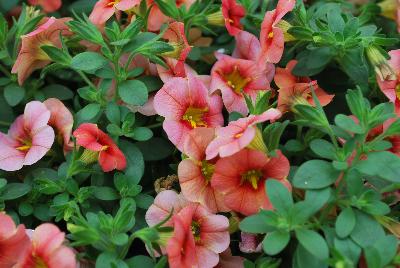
(47, 5)
(105, 9)
(195, 172)
(297, 90)
(233, 13)
(236, 77)
(31, 57)
(47, 249)
(272, 37)
(62, 121)
(241, 178)
(185, 104)
(13, 241)
(247, 47)
(239, 134)
(391, 88)
(29, 138)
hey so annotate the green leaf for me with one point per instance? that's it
(15, 190)
(385, 165)
(345, 223)
(279, 195)
(315, 174)
(304, 259)
(89, 111)
(142, 134)
(348, 248)
(155, 149)
(140, 261)
(323, 148)
(313, 242)
(14, 94)
(367, 230)
(113, 113)
(88, 61)
(348, 124)
(105, 193)
(57, 91)
(135, 161)
(133, 92)
(25, 209)
(272, 134)
(275, 242)
(313, 202)
(57, 55)
(260, 223)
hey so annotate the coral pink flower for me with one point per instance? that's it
(195, 172)
(29, 138)
(61, 120)
(233, 13)
(31, 57)
(167, 73)
(105, 9)
(46, 249)
(241, 178)
(13, 241)
(185, 104)
(391, 88)
(272, 37)
(297, 90)
(238, 134)
(236, 77)
(47, 5)
(92, 138)
(247, 47)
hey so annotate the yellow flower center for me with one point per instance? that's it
(237, 136)
(26, 145)
(113, 3)
(252, 177)
(196, 231)
(207, 169)
(397, 89)
(194, 116)
(38, 262)
(271, 35)
(236, 81)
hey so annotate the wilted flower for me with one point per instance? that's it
(105, 9)
(47, 5)
(99, 146)
(29, 138)
(31, 57)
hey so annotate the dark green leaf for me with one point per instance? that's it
(133, 92)
(14, 94)
(275, 242)
(345, 223)
(313, 242)
(315, 174)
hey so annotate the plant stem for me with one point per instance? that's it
(156, 125)
(4, 123)
(5, 71)
(86, 79)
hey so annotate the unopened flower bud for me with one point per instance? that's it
(380, 64)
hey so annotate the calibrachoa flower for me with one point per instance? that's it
(234, 78)
(185, 104)
(240, 134)
(297, 90)
(29, 138)
(226, 260)
(47, 5)
(247, 46)
(105, 9)
(233, 13)
(99, 145)
(391, 87)
(195, 172)
(31, 57)
(13, 241)
(241, 178)
(47, 249)
(271, 36)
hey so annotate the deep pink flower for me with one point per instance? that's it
(13, 241)
(238, 134)
(391, 88)
(47, 5)
(195, 172)
(31, 57)
(241, 178)
(47, 249)
(272, 37)
(236, 77)
(105, 9)
(297, 90)
(185, 104)
(233, 13)
(29, 138)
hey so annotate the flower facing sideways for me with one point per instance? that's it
(99, 146)
(230, 15)
(47, 5)
(185, 104)
(29, 138)
(105, 9)
(31, 57)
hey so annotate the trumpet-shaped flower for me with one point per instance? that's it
(195, 172)
(239, 134)
(233, 13)
(31, 57)
(241, 178)
(297, 90)
(13, 241)
(185, 104)
(391, 88)
(101, 146)
(236, 77)
(105, 9)
(29, 138)
(47, 250)
(271, 36)
(47, 5)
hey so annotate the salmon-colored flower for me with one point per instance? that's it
(236, 77)
(105, 9)
(47, 5)
(271, 36)
(240, 134)
(170, 72)
(100, 145)
(13, 241)
(233, 13)
(297, 90)
(195, 172)
(185, 104)
(247, 47)
(391, 87)
(47, 249)
(62, 121)
(29, 138)
(31, 57)
(241, 178)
